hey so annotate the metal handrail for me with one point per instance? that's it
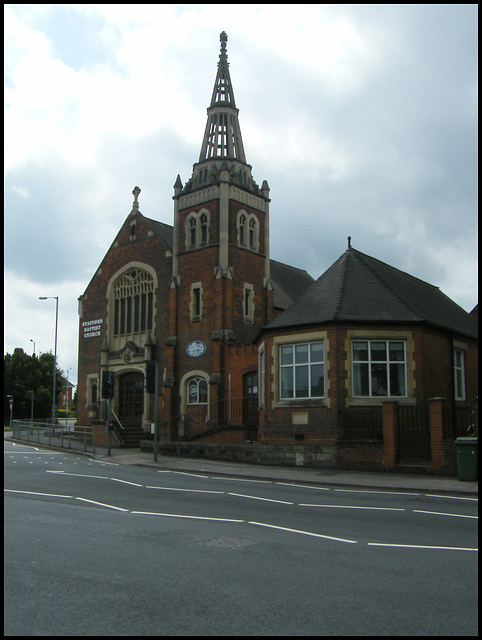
(54, 434)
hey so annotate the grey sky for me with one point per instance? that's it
(363, 119)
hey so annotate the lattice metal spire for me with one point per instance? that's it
(222, 137)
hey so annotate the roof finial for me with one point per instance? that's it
(349, 242)
(136, 191)
(223, 38)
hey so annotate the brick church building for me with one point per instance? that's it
(191, 297)
(250, 349)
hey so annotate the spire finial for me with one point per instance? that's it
(136, 191)
(349, 242)
(223, 38)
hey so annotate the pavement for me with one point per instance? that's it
(339, 478)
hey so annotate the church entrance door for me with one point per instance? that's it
(131, 399)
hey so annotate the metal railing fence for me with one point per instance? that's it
(55, 434)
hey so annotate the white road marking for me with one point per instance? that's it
(37, 493)
(241, 480)
(391, 493)
(343, 506)
(305, 533)
(134, 484)
(432, 495)
(241, 495)
(78, 475)
(438, 513)
(303, 486)
(188, 490)
(102, 504)
(177, 515)
(419, 546)
(193, 475)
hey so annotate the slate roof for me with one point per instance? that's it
(288, 283)
(359, 288)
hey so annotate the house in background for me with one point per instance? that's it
(249, 349)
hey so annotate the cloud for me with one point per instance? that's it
(362, 118)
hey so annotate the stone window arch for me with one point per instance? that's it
(248, 230)
(131, 303)
(197, 229)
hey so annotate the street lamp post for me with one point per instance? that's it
(55, 351)
(33, 354)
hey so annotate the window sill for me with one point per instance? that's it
(301, 402)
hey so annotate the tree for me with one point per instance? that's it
(23, 373)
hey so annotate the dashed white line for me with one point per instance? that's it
(185, 490)
(177, 515)
(419, 546)
(37, 493)
(133, 484)
(344, 506)
(305, 533)
(438, 513)
(241, 495)
(102, 504)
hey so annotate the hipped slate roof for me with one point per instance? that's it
(361, 289)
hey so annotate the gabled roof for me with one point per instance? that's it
(162, 230)
(361, 289)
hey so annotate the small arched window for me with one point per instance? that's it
(242, 230)
(197, 229)
(197, 391)
(248, 230)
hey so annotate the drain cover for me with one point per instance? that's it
(228, 543)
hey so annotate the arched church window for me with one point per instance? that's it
(242, 230)
(133, 307)
(197, 229)
(252, 231)
(197, 391)
(204, 228)
(193, 231)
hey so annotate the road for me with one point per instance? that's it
(93, 548)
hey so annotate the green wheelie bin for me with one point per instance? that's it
(467, 458)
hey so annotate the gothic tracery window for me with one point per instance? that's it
(133, 307)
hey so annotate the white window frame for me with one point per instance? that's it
(459, 374)
(370, 363)
(299, 369)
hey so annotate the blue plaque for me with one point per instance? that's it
(195, 348)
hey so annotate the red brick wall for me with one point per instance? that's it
(145, 249)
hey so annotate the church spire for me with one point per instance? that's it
(222, 136)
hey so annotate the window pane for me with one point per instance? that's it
(287, 355)
(317, 381)
(286, 382)
(397, 380)
(301, 353)
(458, 358)
(379, 380)
(397, 352)
(301, 375)
(316, 352)
(360, 380)
(378, 351)
(360, 351)
(193, 396)
(203, 391)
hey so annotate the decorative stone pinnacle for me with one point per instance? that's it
(136, 191)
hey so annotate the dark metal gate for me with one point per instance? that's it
(414, 433)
